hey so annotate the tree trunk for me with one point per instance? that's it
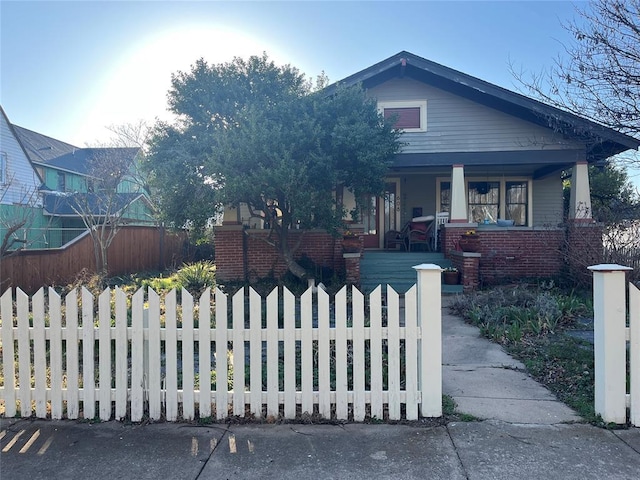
(287, 255)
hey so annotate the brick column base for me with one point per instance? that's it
(468, 264)
(352, 267)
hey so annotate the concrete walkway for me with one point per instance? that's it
(524, 436)
(489, 384)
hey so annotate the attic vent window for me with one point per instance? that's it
(409, 116)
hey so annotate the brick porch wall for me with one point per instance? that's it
(508, 253)
(261, 259)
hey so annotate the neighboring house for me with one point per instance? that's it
(66, 185)
(20, 202)
(482, 154)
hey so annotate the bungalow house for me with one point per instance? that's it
(66, 185)
(475, 155)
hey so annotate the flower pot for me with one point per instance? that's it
(350, 244)
(469, 243)
(450, 278)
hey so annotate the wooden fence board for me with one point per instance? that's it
(342, 386)
(411, 354)
(306, 326)
(375, 302)
(8, 353)
(394, 353)
(137, 356)
(289, 305)
(71, 346)
(171, 357)
(238, 353)
(273, 389)
(55, 353)
(359, 399)
(204, 354)
(88, 357)
(122, 351)
(222, 357)
(39, 354)
(255, 352)
(188, 398)
(155, 363)
(104, 370)
(24, 354)
(324, 361)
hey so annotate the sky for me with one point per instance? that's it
(70, 69)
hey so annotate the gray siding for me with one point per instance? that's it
(455, 124)
(22, 182)
(547, 201)
(417, 191)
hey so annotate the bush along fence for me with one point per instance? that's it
(616, 345)
(280, 356)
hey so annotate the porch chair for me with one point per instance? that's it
(419, 231)
(393, 239)
(441, 219)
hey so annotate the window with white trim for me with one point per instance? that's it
(517, 202)
(483, 200)
(491, 199)
(410, 116)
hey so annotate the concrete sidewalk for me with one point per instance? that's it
(524, 435)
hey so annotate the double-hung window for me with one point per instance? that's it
(483, 201)
(491, 199)
(409, 116)
(517, 202)
(62, 182)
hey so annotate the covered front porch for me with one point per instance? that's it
(516, 217)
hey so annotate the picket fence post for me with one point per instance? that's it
(634, 352)
(609, 310)
(430, 348)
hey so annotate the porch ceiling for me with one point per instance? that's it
(530, 163)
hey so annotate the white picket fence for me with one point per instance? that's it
(277, 357)
(616, 345)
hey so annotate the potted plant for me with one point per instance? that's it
(450, 276)
(350, 242)
(469, 241)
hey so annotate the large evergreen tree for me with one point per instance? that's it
(251, 132)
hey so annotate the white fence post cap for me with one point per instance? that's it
(427, 266)
(609, 267)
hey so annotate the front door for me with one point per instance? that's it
(381, 214)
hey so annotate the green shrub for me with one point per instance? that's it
(197, 276)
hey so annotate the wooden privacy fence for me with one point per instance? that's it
(134, 249)
(616, 345)
(244, 356)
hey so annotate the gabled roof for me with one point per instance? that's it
(44, 150)
(14, 131)
(602, 141)
(79, 161)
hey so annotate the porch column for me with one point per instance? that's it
(580, 201)
(458, 212)
(230, 216)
